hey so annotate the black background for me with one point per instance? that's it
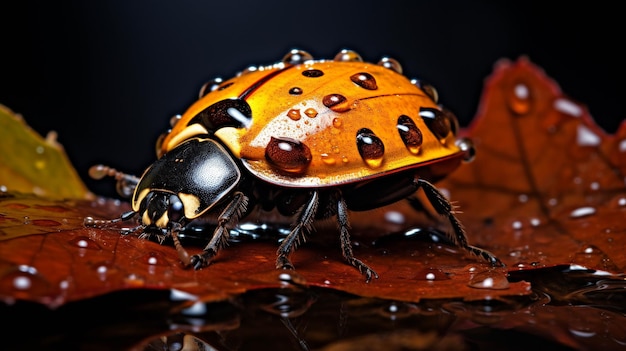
(108, 75)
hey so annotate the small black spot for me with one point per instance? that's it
(312, 73)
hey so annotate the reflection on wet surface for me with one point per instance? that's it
(571, 308)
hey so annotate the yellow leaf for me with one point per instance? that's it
(32, 164)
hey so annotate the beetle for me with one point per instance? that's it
(307, 138)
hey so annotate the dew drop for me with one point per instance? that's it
(431, 274)
(296, 56)
(489, 280)
(519, 99)
(568, 107)
(391, 63)
(174, 120)
(410, 134)
(294, 114)
(24, 279)
(249, 69)
(370, 147)
(310, 112)
(327, 159)
(336, 102)
(346, 55)
(295, 91)
(535, 222)
(582, 212)
(312, 73)
(84, 242)
(364, 80)
(435, 120)
(337, 122)
(134, 280)
(428, 89)
(394, 217)
(153, 259)
(288, 155)
(208, 87)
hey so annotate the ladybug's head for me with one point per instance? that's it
(185, 183)
(160, 208)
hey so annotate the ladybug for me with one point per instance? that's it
(309, 139)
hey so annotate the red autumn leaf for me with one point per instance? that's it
(548, 185)
(539, 193)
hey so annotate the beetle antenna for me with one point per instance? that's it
(126, 183)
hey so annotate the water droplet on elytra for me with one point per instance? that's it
(347, 55)
(310, 112)
(364, 80)
(410, 134)
(438, 123)
(370, 147)
(337, 122)
(336, 102)
(427, 88)
(297, 56)
(327, 159)
(295, 91)
(288, 155)
(294, 114)
(391, 63)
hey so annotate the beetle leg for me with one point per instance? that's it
(304, 224)
(183, 255)
(346, 245)
(445, 208)
(235, 208)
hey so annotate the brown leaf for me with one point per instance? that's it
(68, 262)
(547, 185)
(546, 188)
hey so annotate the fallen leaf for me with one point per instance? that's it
(31, 164)
(546, 188)
(548, 185)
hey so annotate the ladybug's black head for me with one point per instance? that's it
(160, 208)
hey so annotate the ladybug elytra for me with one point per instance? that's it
(307, 138)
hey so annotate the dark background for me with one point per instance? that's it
(108, 75)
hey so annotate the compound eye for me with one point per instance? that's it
(175, 210)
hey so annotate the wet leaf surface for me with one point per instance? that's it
(545, 193)
(548, 186)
